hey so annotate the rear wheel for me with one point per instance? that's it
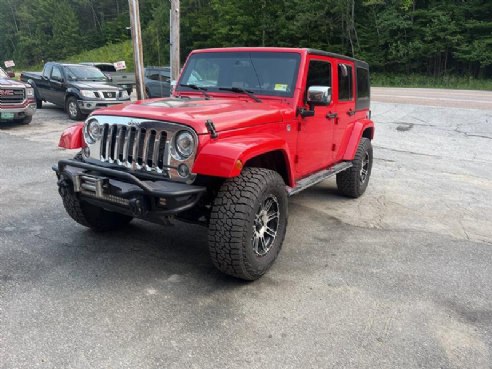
(73, 110)
(248, 223)
(353, 181)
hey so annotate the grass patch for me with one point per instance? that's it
(418, 80)
(110, 53)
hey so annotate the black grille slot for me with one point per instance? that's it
(150, 148)
(121, 142)
(161, 148)
(141, 146)
(131, 143)
(11, 96)
(104, 141)
(112, 142)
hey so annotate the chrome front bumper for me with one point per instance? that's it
(28, 110)
(87, 106)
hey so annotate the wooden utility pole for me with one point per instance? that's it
(174, 39)
(137, 48)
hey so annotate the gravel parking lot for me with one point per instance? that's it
(400, 278)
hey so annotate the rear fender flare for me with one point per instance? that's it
(220, 158)
(72, 137)
(357, 131)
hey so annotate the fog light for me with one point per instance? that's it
(86, 152)
(183, 170)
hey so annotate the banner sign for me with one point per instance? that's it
(120, 65)
(9, 63)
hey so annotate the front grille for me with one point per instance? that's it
(10, 96)
(109, 94)
(132, 147)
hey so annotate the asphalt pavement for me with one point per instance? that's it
(400, 278)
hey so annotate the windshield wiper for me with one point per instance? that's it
(242, 91)
(198, 88)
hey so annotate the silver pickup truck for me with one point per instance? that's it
(121, 79)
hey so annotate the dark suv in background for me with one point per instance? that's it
(157, 81)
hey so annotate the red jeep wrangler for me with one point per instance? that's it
(245, 129)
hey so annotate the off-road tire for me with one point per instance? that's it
(75, 113)
(349, 181)
(88, 215)
(232, 222)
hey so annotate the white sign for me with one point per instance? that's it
(9, 63)
(120, 65)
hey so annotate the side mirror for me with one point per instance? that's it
(319, 95)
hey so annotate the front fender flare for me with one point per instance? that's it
(219, 158)
(357, 131)
(72, 137)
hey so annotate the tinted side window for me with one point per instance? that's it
(56, 74)
(345, 83)
(47, 70)
(319, 74)
(362, 83)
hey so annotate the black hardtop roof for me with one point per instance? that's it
(358, 63)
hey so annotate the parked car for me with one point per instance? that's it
(121, 79)
(157, 82)
(226, 151)
(17, 102)
(79, 89)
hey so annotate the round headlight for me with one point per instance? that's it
(185, 144)
(93, 131)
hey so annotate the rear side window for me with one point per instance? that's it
(345, 82)
(362, 83)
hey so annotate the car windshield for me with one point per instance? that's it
(264, 73)
(3, 74)
(85, 73)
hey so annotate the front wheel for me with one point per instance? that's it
(73, 110)
(353, 181)
(88, 215)
(26, 120)
(248, 223)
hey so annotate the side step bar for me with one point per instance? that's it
(318, 177)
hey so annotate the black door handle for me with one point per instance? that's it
(331, 115)
(351, 112)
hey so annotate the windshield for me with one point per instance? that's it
(264, 73)
(84, 73)
(3, 74)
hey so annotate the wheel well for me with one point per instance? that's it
(273, 160)
(368, 133)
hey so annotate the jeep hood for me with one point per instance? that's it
(226, 114)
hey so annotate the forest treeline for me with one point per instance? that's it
(446, 37)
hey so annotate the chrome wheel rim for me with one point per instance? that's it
(72, 109)
(265, 225)
(364, 170)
